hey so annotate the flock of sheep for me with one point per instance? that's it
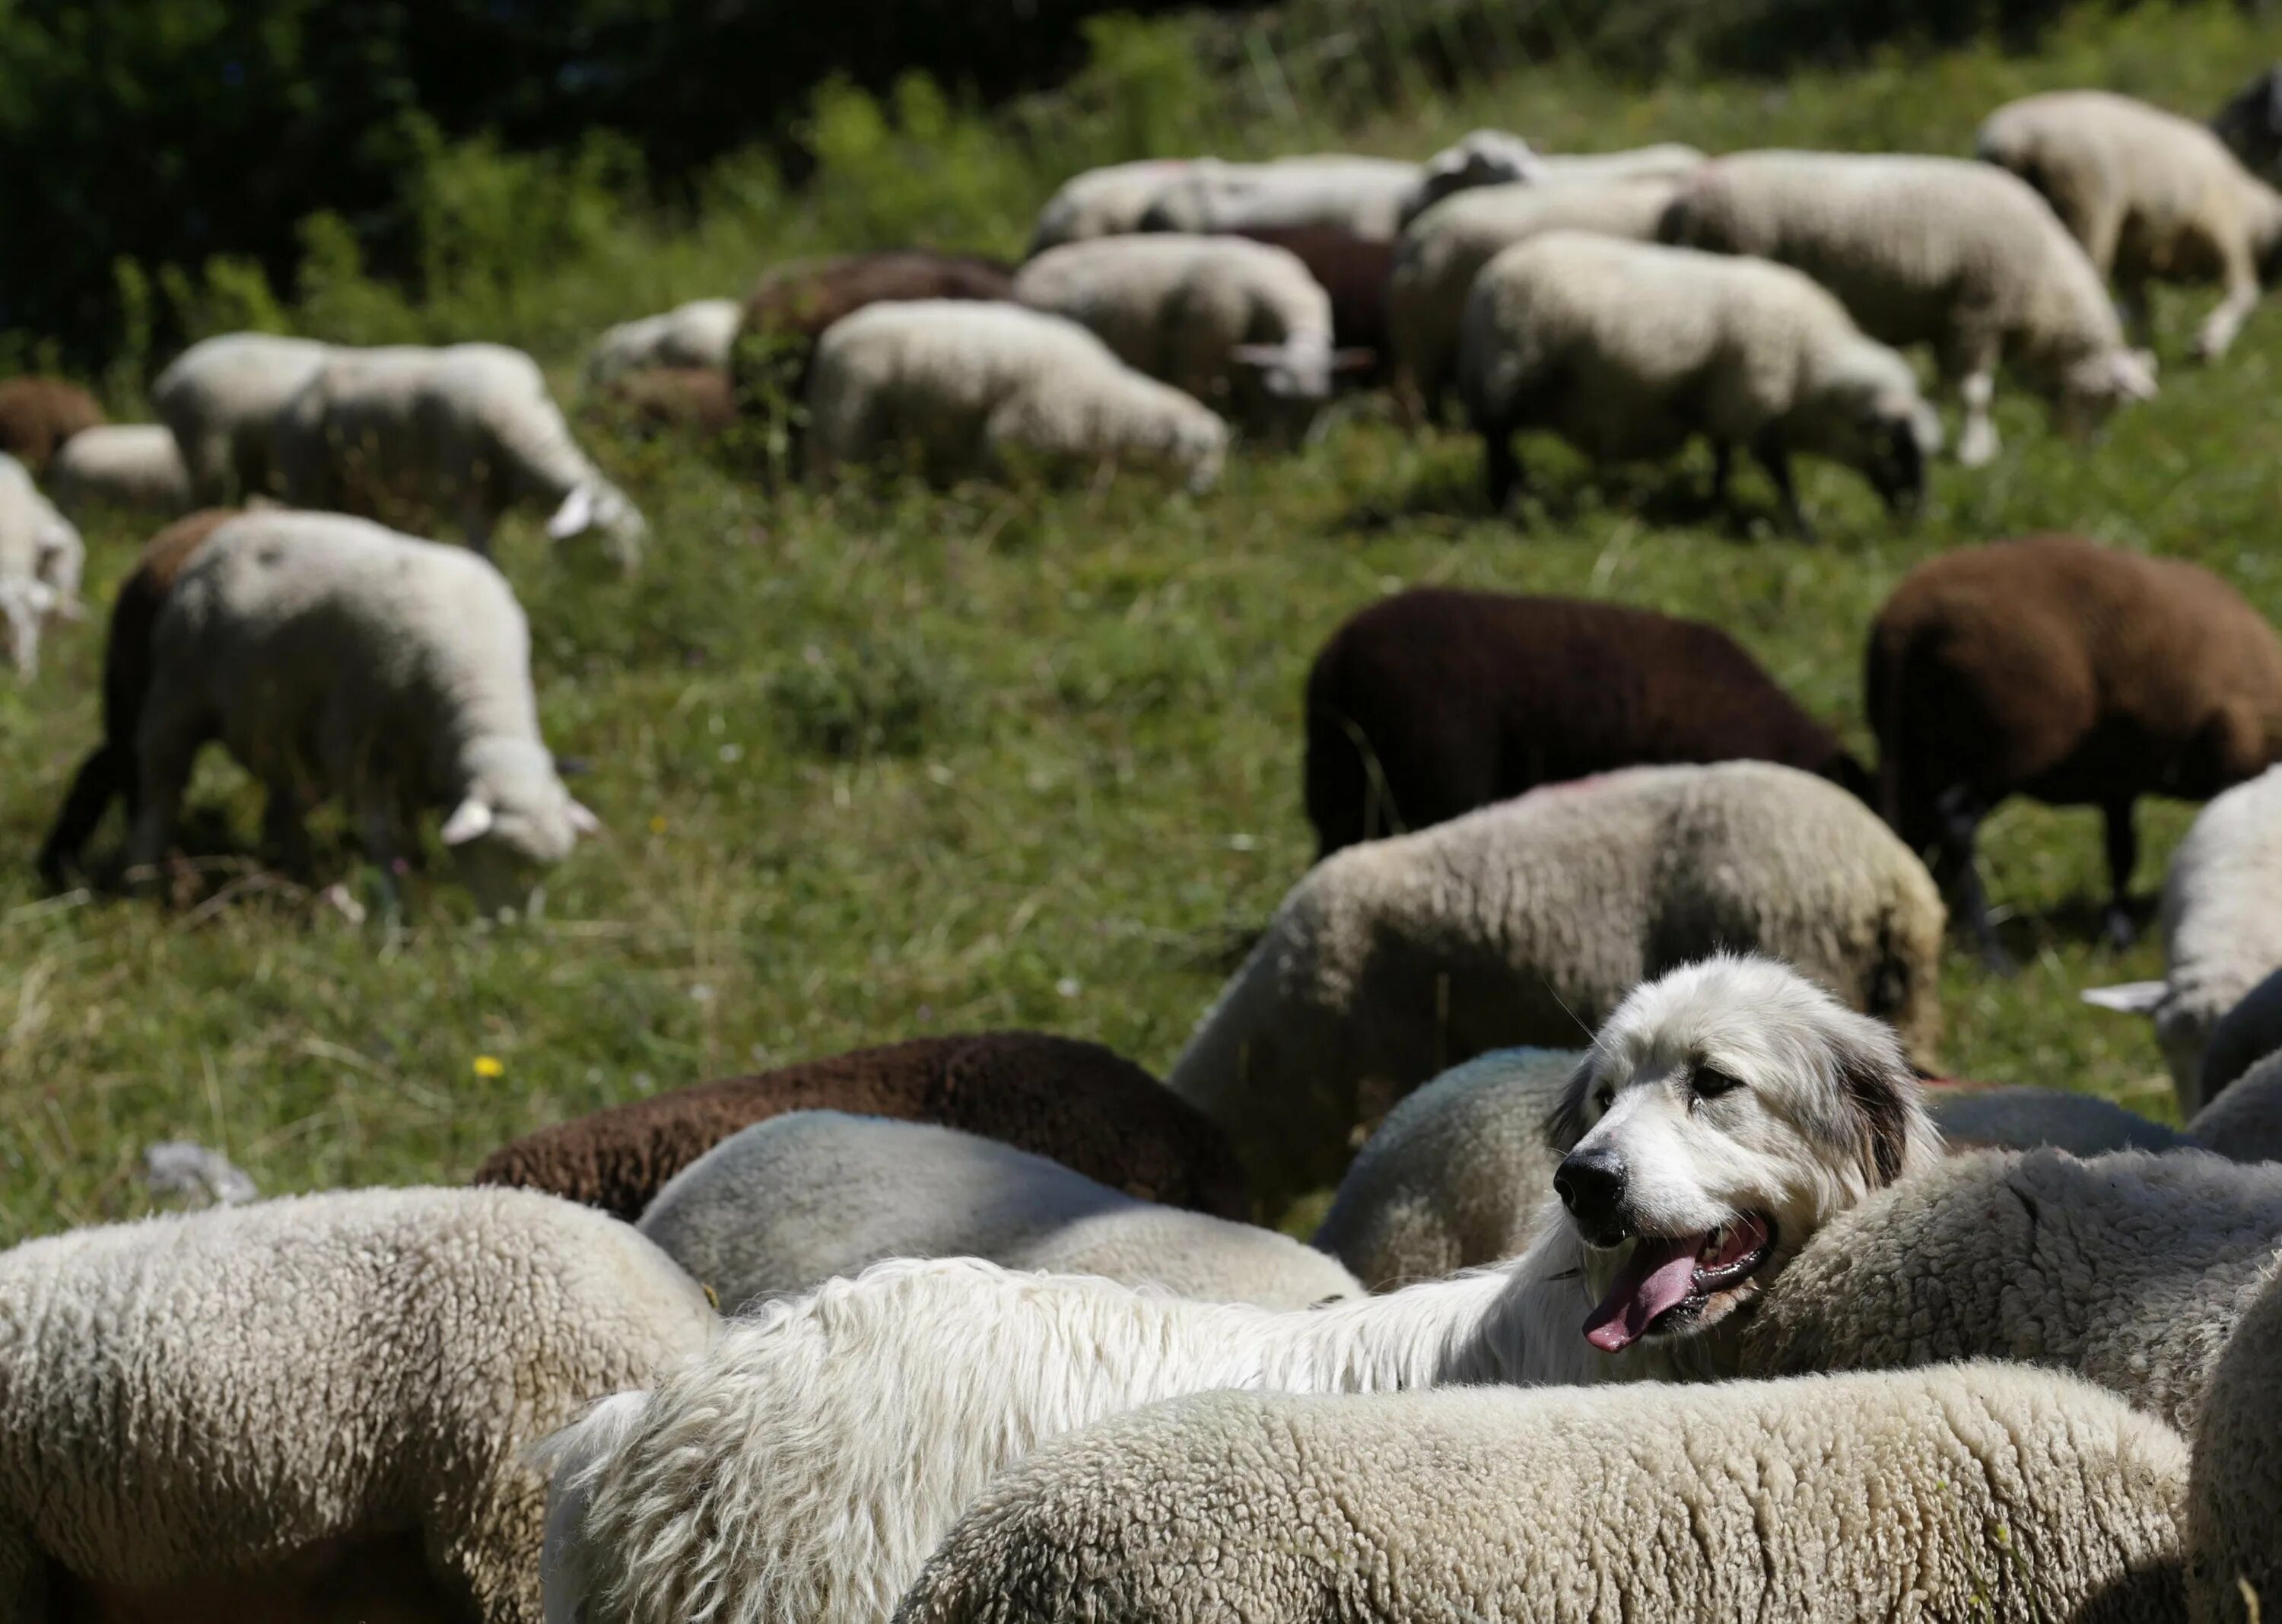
(984, 1328)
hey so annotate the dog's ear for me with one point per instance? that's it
(1881, 1092)
(1565, 1125)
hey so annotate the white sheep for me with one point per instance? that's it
(2222, 929)
(1526, 922)
(788, 1204)
(977, 386)
(1936, 250)
(1369, 197)
(135, 466)
(321, 1397)
(1445, 248)
(41, 557)
(2151, 196)
(1483, 158)
(805, 1466)
(1455, 1175)
(700, 333)
(2234, 1495)
(468, 429)
(1240, 325)
(1627, 349)
(2130, 1269)
(2032, 1118)
(1663, 160)
(222, 398)
(336, 658)
(1105, 202)
(1973, 1491)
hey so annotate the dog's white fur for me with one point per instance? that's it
(806, 1466)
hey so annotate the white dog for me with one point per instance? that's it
(805, 1466)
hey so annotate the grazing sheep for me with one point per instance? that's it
(1239, 325)
(2245, 1123)
(135, 466)
(311, 1408)
(1432, 703)
(695, 400)
(1483, 158)
(335, 658)
(1627, 349)
(2071, 672)
(2247, 1033)
(795, 304)
(2235, 1493)
(40, 416)
(2036, 1118)
(469, 430)
(2222, 936)
(222, 397)
(41, 557)
(697, 335)
(805, 1467)
(1665, 160)
(974, 387)
(1105, 202)
(1975, 1491)
(1444, 250)
(2130, 1269)
(1525, 923)
(2250, 125)
(2151, 196)
(1457, 1175)
(1353, 271)
(1369, 197)
(108, 772)
(788, 1204)
(1075, 1103)
(1938, 251)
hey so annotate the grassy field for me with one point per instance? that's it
(883, 762)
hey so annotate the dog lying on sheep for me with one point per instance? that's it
(2151, 196)
(222, 397)
(316, 1408)
(1935, 251)
(336, 658)
(1627, 349)
(39, 417)
(2130, 1269)
(1973, 1491)
(1431, 703)
(1517, 923)
(2072, 672)
(1077, 1103)
(41, 558)
(805, 1466)
(788, 1204)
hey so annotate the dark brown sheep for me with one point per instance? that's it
(1430, 703)
(2074, 673)
(1077, 1103)
(694, 400)
(790, 306)
(110, 769)
(37, 415)
(1354, 271)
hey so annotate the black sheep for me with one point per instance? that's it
(1354, 271)
(1430, 703)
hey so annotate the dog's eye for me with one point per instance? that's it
(1710, 1082)
(1603, 1097)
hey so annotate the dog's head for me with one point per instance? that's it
(1725, 1113)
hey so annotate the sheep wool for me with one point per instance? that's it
(2247, 1034)
(790, 1202)
(1626, 349)
(1973, 1491)
(2245, 1123)
(39, 417)
(1367, 195)
(222, 397)
(1526, 922)
(1957, 256)
(698, 334)
(2035, 1118)
(972, 387)
(246, 1400)
(41, 557)
(2130, 1269)
(2234, 1497)
(1105, 202)
(134, 466)
(1456, 1174)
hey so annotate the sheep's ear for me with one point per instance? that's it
(1566, 1123)
(1260, 354)
(1883, 1091)
(469, 819)
(583, 818)
(2130, 998)
(575, 515)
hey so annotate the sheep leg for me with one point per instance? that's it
(1723, 466)
(2122, 858)
(1976, 441)
(102, 775)
(167, 754)
(1960, 815)
(2132, 306)
(2220, 327)
(1502, 475)
(1776, 461)
(284, 832)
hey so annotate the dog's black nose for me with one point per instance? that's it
(1591, 1184)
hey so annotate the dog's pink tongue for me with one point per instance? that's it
(1656, 1277)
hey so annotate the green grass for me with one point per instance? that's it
(880, 762)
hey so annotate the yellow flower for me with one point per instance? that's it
(657, 825)
(488, 1066)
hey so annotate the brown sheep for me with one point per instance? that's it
(37, 415)
(2076, 675)
(1354, 271)
(694, 400)
(1078, 1103)
(789, 307)
(110, 769)
(1430, 703)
